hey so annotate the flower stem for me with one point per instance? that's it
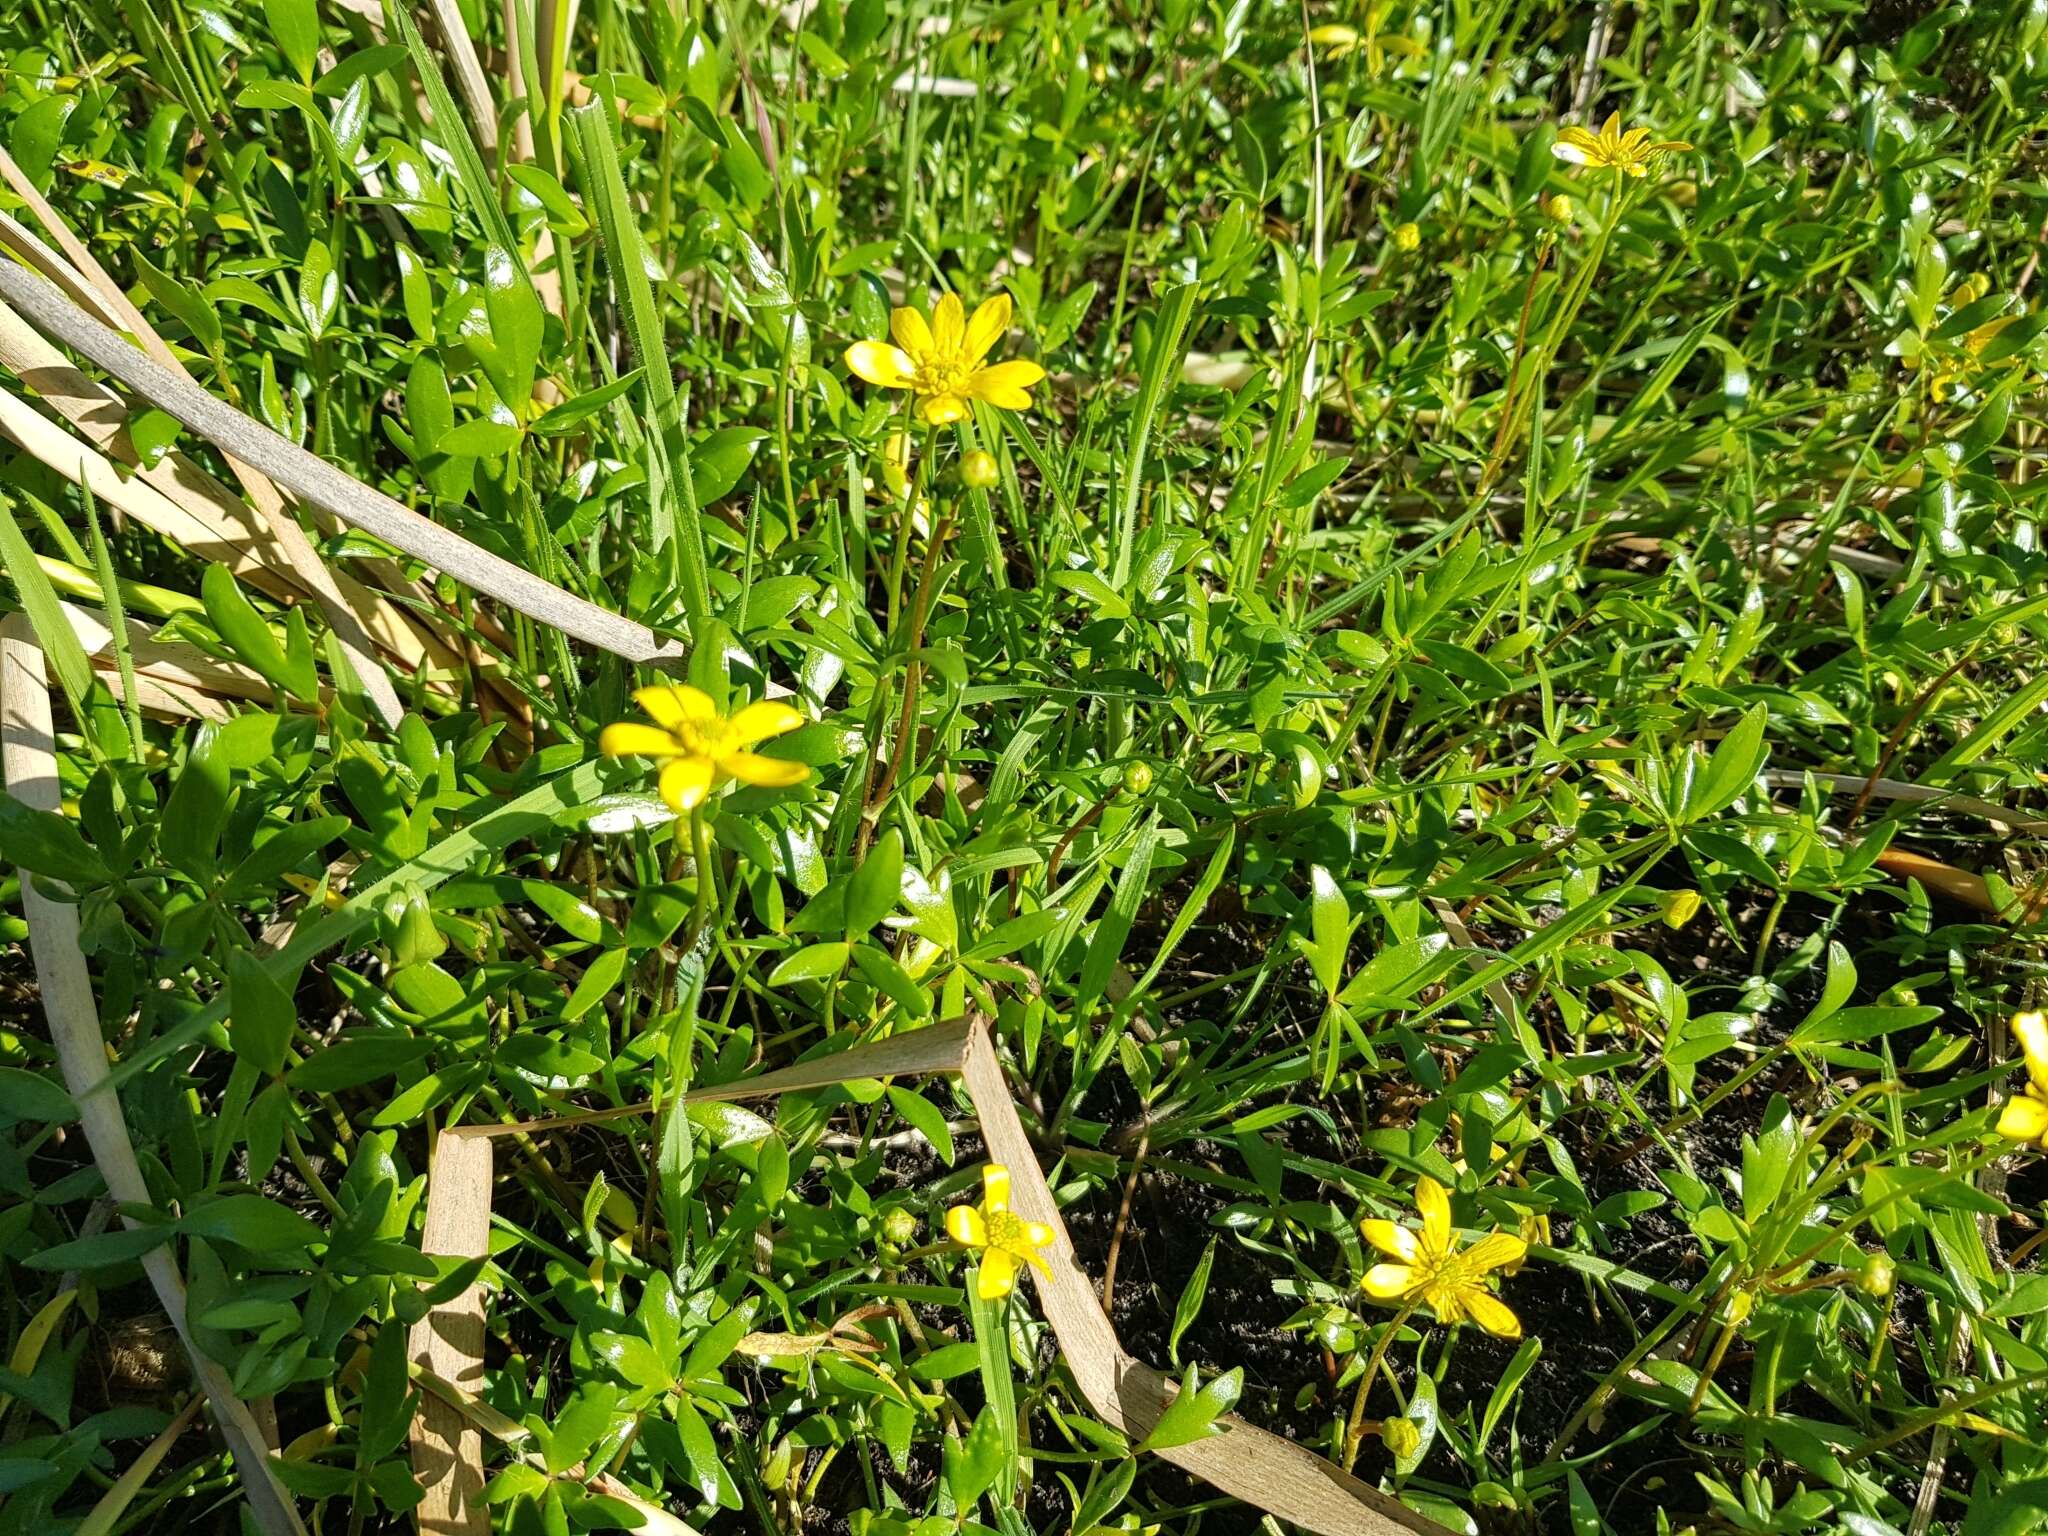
(700, 854)
(1354, 1431)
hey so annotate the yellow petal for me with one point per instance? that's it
(1496, 1252)
(1005, 384)
(881, 364)
(2024, 1118)
(944, 410)
(757, 722)
(631, 739)
(685, 782)
(2031, 1030)
(767, 772)
(1570, 152)
(1387, 1281)
(991, 319)
(964, 1225)
(1391, 1238)
(673, 705)
(1490, 1313)
(1611, 129)
(998, 1276)
(1435, 1207)
(995, 1189)
(910, 331)
(949, 327)
(1039, 1234)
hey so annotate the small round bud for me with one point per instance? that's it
(1676, 908)
(1401, 1437)
(1877, 1276)
(1558, 208)
(1406, 237)
(1137, 777)
(899, 1226)
(978, 470)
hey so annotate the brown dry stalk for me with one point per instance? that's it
(322, 486)
(1286, 1480)
(28, 760)
(306, 564)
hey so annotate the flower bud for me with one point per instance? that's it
(1676, 908)
(1558, 208)
(406, 925)
(1401, 1437)
(1137, 777)
(1406, 237)
(899, 1226)
(978, 470)
(1877, 1276)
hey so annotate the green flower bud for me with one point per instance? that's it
(1401, 1437)
(1137, 777)
(1677, 907)
(406, 925)
(899, 1226)
(1558, 208)
(1877, 1276)
(978, 470)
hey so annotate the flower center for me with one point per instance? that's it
(1006, 1230)
(940, 376)
(706, 738)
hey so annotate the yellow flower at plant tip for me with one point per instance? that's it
(1004, 1239)
(2025, 1116)
(1428, 1266)
(1611, 149)
(942, 361)
(699, 748)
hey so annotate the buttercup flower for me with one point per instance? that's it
(1407, 237)
(1430, 1267)
(701, 748)
(941, 361)
(1006, 1241)
(1610, 148)
(2025, 1116)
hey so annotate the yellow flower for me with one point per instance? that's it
(1432, 1268)
(1610, 148)
(1006, 1240)
(1407, 237)
(2025, 1116)
(941, 362)
(703, 748)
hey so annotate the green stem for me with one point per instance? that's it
(1354, 1430)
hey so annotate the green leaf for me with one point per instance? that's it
(1731, 770)
(1192, 1295)
(25, 1095)
(261, 1225)
(814, 962)
(295, 26)
(260, 1013)
(1329, 929)
(122, 1245)
(873, 892)
(1195, 1408)
(973, 1465)
(38, 597)
(926, 1118)
(572, 413)
(238, 623)
(44, 843)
